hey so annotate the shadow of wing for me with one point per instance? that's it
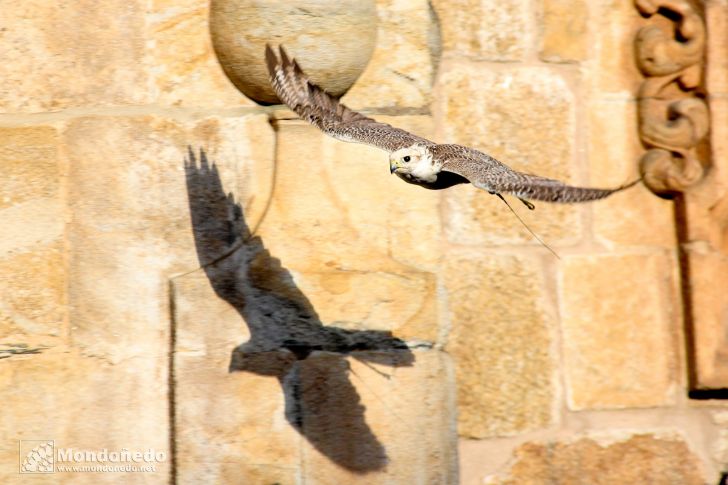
(324, 406)
(285, 330)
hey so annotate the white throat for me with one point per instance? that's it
(425, 170)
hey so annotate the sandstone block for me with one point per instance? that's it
(407, 443)
(290, 314)
(487, 29)
(33, 285)
(58, 57)
(357, 251)
(708, 282)
(405, 58)
(183, 66)
(618, 317)
(611, 67)
(230, 426)
(524, 117)
(329, 416)
(131, 226)
(500, 341)
(643, 458)
(614, 152)
(32, 274)
(719, 447)
(59, 395)
(30, 163)
(563, 30)
(404, 301)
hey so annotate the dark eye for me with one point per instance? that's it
(406, 158)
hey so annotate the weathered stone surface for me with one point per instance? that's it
(332, 41)
(356, 251)
(352, 248)
(403, 65)
(708, 272)
(129, 231)
(418, 441)
(403, 301)
(643, 458)
(478, 459)
(32, 274)
(525, 118)
(719, 446)
(564, 30)
(707, 218)
(33, 284)
(614, 150)
(704, 208)
(62, 396)
(131, 219)
(58, 56)
(192, 75)
(183, 66)
(610, 66)
(488, 29)
(500, 341)
(30, 164)
(618, 318)
(335, 416)
(225, 421)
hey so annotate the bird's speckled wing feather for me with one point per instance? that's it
(322, 110)
(489, 174)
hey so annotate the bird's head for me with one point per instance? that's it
(407, 160)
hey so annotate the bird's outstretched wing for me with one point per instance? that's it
(322, 110)
(487, 173)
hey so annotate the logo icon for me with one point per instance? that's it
(37, 456)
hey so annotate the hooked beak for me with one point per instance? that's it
(393, 166)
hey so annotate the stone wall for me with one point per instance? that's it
(141, 285)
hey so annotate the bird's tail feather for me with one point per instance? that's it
(549, 190)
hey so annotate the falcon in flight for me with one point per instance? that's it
(414, 159)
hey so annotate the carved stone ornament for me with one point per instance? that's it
(333, 41)
(673, 116)
(681, 51)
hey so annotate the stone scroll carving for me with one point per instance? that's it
(681, 52)
(673, 115)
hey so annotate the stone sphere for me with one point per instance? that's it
(331, 40)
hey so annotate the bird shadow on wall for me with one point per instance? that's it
(320, 401)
